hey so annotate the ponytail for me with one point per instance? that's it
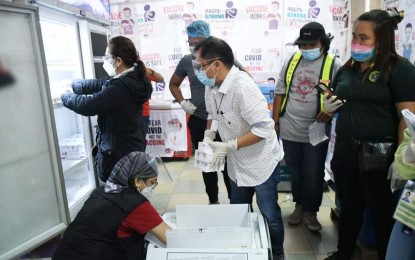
(140, 70)
(124, 48)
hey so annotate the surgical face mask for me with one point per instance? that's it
(204, 79)
(148, 191)
(362, 53)
(109, 68)
(311, 54)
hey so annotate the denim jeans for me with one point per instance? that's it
(267, 200)
(401, 246)
(306, 166)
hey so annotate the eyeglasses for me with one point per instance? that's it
(106, 58)
(154, 185)
(198, 66)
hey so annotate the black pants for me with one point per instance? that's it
(357, 191)
(197, 127)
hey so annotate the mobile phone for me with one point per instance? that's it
(322, 89)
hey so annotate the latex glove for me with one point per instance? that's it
(408, 155)
(397, 182)
(209, 136)
(331, 104)
(221, 149)
(188, 106)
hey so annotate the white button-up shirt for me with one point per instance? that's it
(239, 106)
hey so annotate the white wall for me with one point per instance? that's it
(358, 7)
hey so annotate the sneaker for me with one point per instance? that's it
(336, 256)
(310, 220)
(217, 202)
(297, 216)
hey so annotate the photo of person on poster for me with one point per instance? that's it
(274, 17)
(189, 16)
(407, 44)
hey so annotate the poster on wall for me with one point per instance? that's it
(167, 132)
(405, 34)
(260, 32)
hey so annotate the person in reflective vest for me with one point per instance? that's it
(297, 106)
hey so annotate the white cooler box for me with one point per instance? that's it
(213, 232)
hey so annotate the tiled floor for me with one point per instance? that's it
(186, 187)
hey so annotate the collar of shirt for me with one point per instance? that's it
(227, 83)
(124, 72)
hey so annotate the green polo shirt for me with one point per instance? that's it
(370, 112)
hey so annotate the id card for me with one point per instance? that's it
(405, 211)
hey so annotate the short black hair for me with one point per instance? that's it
(213, 47)
(408, 25)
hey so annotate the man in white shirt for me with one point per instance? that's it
(249, 140)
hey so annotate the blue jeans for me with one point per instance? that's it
(306, 167)
(267, 200)
(401, 246)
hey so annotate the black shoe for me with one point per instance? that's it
(336, 256)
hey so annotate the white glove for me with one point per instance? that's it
(331, 104)
(397, 182)
(221, 149)
(209, 136)
(188, 106)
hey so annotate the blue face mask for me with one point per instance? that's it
(204, 79)
(310, 54)
(362, 53)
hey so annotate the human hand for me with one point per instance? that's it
(324, 117)
(188, 106)
(397, 182)
(221, 149)
(331, 104)
(209, 136)
(59, 88)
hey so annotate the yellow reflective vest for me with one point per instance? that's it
(325, 77)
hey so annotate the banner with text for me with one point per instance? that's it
(260, 32)
(167, 132)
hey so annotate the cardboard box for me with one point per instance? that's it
(204, 156)
(208, 166)
(204, 147)
(205, 159)
(72, 148)
(214, 232)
